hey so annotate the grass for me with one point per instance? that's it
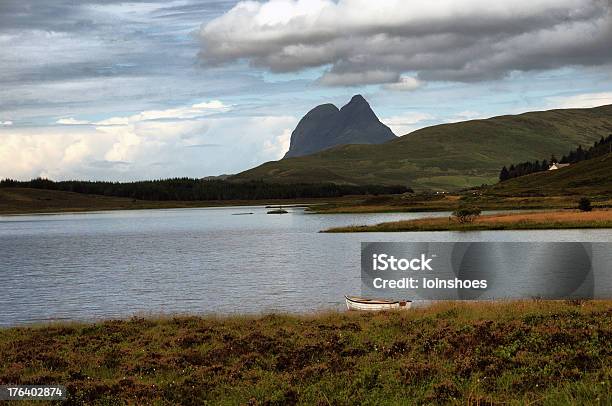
(506, 221)
(560, 189)
(449, 156)
(588, 178)
(517, 353)
(431, 202)
(25, 200)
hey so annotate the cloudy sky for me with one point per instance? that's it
(151, 89)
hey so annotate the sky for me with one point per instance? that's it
(114, 90)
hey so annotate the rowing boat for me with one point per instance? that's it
(360, 303)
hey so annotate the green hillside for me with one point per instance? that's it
(448, 156)
(590, 178)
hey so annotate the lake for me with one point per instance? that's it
(88, 266)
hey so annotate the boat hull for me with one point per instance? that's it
(375, 305)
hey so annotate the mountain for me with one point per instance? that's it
(447, 156)
(592, 177)
(325, 126)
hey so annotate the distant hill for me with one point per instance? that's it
(25, 200)
(592, 177)
(325, 126)
(218, 177)
(447, 156)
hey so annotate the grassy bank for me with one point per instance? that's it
(532, 352)
(506, 221)
(444, 202)
(24, 200)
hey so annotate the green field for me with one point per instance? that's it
(514, 353)
(448, 156)
(587, 178)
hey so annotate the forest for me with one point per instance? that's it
(599, 148)
(188, 189)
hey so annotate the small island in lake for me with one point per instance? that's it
(278, 211)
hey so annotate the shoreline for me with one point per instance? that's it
(449, 352)
(544, 220)
(419, 204)
(24, 201)
(263, 205)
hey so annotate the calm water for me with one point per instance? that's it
(120, 263)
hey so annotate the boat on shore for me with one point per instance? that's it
(360, 303)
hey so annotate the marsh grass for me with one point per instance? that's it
(507, 221)
(525, 352)
(428, 202)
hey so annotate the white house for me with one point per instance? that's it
(556, 166)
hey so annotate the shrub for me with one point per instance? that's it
(585, 204)
(466, 214)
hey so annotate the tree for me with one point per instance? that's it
(580, 155)
(504, 175)
(584, 204)
(537, 167)
(466, 214)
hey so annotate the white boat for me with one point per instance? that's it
(360, 303)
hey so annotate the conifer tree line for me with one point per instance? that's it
(199, 189)
(599, 148)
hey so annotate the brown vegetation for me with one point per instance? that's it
(433, 202)
(507, 221)
(530, 352)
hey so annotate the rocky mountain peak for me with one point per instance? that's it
(325, 126)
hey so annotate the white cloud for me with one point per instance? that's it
(278, 146)
(6, 123)
(585, 100)
(71, 121)
(465, 116)
(469, 40)
(187, 112)
(193, 111)
(211, 105)
(408, 122)
(404, 84)
(182, 141)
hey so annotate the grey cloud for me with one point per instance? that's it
(61, 57)
(83, 16)
(195, 10)
(103, 164)
(204, 146)
(46, 15)
(44, 40)
(471, 41)
(358, 78)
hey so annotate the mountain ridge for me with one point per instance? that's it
(326, 126)
(447, 156)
